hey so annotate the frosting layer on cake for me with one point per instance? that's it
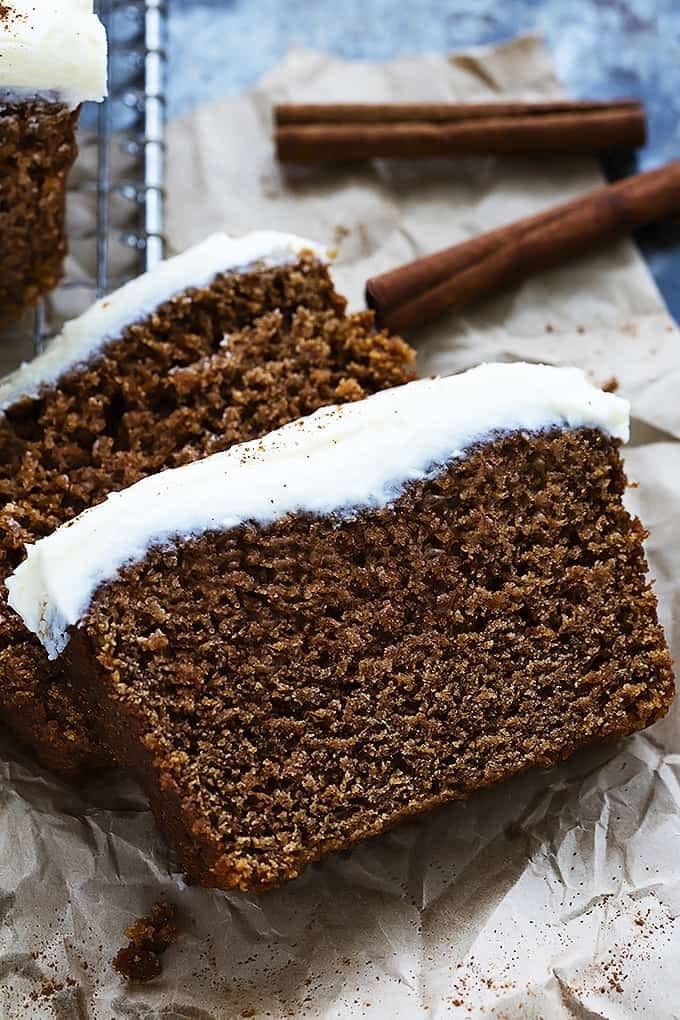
(336, 461)
(54, 46)
(83, 337)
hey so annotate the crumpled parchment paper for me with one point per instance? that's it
(554, 896)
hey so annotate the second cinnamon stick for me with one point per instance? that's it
(307, 133)
(456, 277)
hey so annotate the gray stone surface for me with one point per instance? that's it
(600, 48)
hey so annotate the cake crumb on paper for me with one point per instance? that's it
(149, 937)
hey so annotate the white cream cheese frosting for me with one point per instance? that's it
(336, 461)
(53, 46)
(83, 337)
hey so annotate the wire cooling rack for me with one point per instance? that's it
(117, 231)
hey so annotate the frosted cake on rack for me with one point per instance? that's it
(372, 611)
(53, 57)
(221, 344)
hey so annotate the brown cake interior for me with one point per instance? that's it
(173, 389)
(287, 690)
(37, 150)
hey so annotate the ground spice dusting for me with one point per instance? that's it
(8, 13)
(46, 991)
(149, 937)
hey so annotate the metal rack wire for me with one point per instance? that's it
(121, 166)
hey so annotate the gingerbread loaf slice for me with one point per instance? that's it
(220, 345)
(53, 57)
(372, 611)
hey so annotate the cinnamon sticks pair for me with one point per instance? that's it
(456, 277)
(310, 133)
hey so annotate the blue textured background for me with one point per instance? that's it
(600, 48)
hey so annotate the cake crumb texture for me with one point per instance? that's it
(283, 691)
(212, 367)
(37, 150)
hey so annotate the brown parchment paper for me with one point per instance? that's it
(552, 897)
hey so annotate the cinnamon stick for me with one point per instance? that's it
(312, 132)
(456, 277)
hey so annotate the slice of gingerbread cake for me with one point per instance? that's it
(219, 345)
(372, 611)
(53, 57)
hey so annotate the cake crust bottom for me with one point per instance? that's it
(285, 691)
